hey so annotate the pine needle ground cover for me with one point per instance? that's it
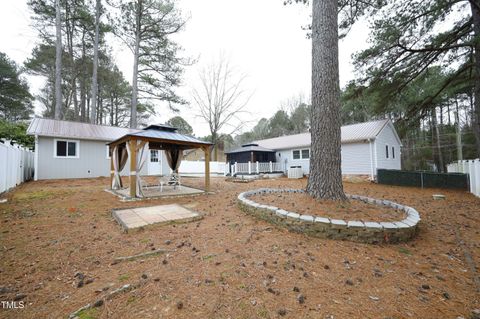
(59, 254)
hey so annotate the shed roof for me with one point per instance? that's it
(250, 148)
(350, 134)
(69, 129)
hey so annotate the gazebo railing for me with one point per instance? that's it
(255, 168)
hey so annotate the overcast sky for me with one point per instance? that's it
(263, 39)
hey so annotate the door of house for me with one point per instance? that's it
(155, 163)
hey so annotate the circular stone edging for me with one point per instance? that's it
(369, 232)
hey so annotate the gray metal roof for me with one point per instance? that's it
(250, 148)
(77, 130)
(350, 134)
(167, 135)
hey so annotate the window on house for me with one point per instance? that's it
(154, 156)
(66, 148)
(296, 154)
(306, 154)
(107, 152)
(393, 152)
(386, 151)
(301, 154)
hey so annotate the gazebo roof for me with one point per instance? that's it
(250, 148)
(162, 134)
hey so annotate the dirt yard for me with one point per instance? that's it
(229, 265)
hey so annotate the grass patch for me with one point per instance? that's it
(405, 251)
(88, 314)
(33, 195)
(123, 277)
(208, 257)
(263, 312)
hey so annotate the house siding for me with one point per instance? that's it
(356, 159)
(387, 137)
(286, 157)
(92, 161)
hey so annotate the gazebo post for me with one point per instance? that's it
(133, 168)
(207, 168)
(112, 170)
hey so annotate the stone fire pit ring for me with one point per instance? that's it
(317, 226)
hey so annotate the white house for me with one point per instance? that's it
(65, 149)
(366, 147)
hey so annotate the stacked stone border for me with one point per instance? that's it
(360, 231)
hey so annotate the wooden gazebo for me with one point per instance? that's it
(134, 147)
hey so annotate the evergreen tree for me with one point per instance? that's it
(182, 125)
(146, 26)
(15, 98)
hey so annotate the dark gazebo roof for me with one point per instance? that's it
(163, 134)
(250, 148)
(161, 127)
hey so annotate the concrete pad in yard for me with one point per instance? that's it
(132, 218)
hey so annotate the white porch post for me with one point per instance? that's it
(249, 167)
(236, 168)
(271, 167)
(471, 174)
(258, 168)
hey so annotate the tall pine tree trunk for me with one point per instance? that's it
(138, 20)
(95, 64)
(70, 29)
(111, 109)
(116, 110)
(475, 7)
(58, 62)
(440, 162)
(325, 180)
(83, 80)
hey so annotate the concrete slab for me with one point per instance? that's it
(132, 218)
(167, 191)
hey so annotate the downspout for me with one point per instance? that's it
(375, 157)
(35, 160)
(372, 168)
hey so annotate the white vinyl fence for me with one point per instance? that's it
(198, 168)
(16, 165)
(256, 168)
(470, 167)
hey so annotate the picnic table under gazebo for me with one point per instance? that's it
(134, 147)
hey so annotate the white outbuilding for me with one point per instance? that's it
(366, 147)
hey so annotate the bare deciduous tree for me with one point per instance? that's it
(221, 98)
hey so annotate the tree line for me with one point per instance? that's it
(83, 82)
(421, 70)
